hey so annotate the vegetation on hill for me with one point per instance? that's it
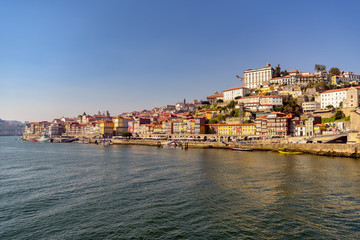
(217, 119)
(338, 116)
(290, 105)
(278, 73)
(126, 134)
(334, 71)
(320, 68)
(320, 86)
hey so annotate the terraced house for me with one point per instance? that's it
(232, 129)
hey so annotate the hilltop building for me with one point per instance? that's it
(235, 93)
(255, 78)
(215, 97)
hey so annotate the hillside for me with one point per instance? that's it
(11, 128)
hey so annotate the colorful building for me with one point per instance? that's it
(232, 129)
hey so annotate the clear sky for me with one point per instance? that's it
(61, 58)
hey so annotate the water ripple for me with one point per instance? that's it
(74, 191)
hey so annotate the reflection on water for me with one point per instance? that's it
(74, 191)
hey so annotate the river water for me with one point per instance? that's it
(83, 191)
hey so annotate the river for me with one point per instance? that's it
(85, 191)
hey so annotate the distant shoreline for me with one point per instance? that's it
(10, 135)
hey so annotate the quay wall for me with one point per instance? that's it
(155, 143)
(340, 150)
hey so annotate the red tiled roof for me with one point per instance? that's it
(234, 88)
(335, 90)
(231, 124)
(216, 95)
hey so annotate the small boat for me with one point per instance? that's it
(285, 151)
(242, 149)
(105, 143)
(44, 138)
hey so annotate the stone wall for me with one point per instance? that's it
(342, 150)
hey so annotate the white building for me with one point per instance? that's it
(255, 78)
(310, 106)
(333, 97)
(351, 76)
(261, 103)
(286, 80)
(236, 92)
(277, 80)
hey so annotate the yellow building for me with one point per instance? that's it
(106, 128)
(248, 129)
(227, 129)
(211, 112)
(158, 129)
(118, 125)
(267, 89)
(233, 129)
(319, 128)
(192, 126)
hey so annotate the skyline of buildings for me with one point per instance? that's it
(124, 55)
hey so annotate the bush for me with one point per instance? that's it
(339, 115)
(231, 104)
(126, 134)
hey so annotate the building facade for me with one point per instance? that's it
(215, 97)
(310, 106)
(255, 78)
(235, 93)
(352, 98)
(333, 97)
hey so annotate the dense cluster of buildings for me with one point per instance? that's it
(260, 96)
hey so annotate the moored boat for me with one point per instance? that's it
(44, 138)
(242, 149)
(285, 151)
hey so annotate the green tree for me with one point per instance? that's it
(126, 134)
(219, 101)
(277, 71)
(234, 113)
(339, 115)
(217, 119)
(231, 104)
(290, 105)
(334, 71)
(329, 106)
(284, 73)
(320, 68)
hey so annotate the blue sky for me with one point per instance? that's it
(61, 58)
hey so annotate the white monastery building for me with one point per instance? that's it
(255, 78)
(236, 92)
(333, 97)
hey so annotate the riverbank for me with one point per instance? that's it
(338, 150)
(323, 149)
